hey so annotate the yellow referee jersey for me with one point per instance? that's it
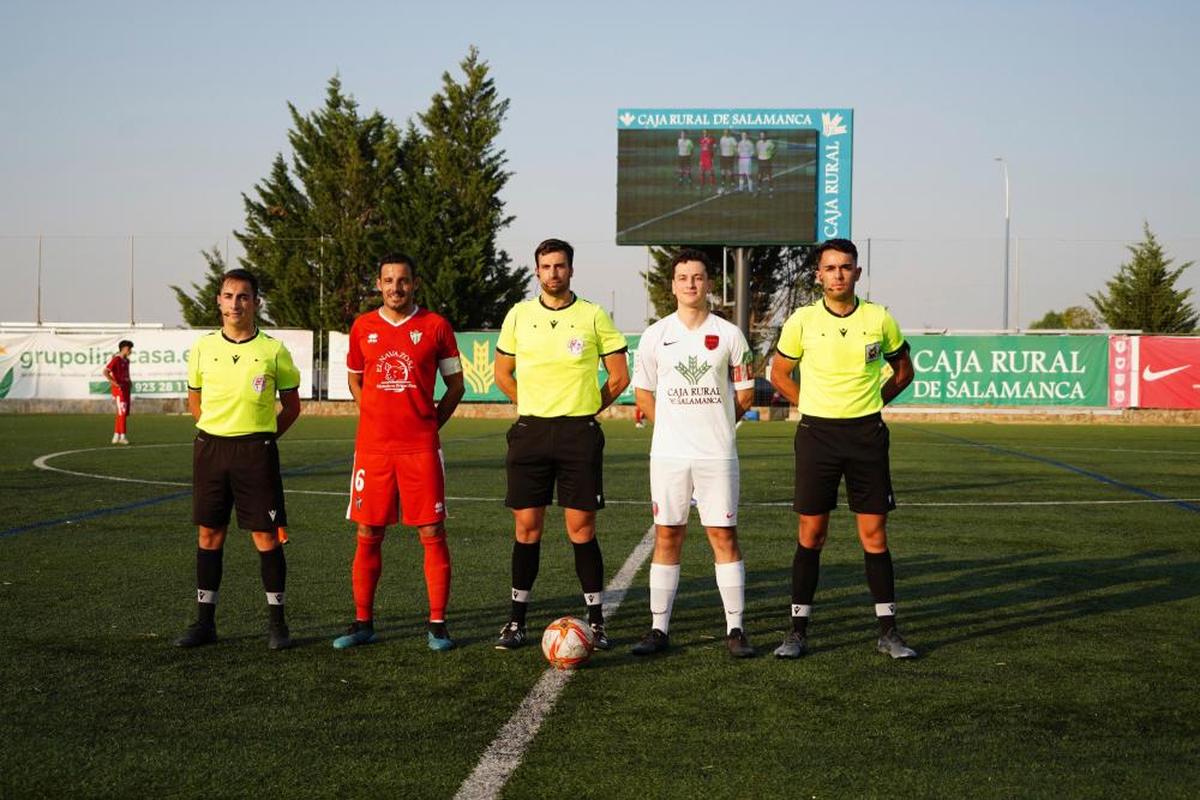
(841, 358)
(237, 382)
(558, 351)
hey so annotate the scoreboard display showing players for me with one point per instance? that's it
(733, 176)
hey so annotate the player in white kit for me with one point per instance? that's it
(745, 150)
(693, 381)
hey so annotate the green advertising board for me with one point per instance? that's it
(1027, 370)
(477, 350)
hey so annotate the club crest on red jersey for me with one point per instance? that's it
(395, 372)
(415, 336)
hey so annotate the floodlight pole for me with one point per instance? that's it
(131, 261)
(39, 282)
(724, 276)
(868, 268)
(1007, 227)
(741, 276)
(322, 367)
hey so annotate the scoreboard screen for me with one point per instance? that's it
(732, 176)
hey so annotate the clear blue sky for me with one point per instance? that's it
(152, 118)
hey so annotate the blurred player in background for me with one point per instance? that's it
(745, 151)
(233, 375)
(683, 158)
(693, 380)
(707, 143)
(728, 146)
(765, 149)
(395, 355)
(841, 344)
(546, 362)
(117, 372)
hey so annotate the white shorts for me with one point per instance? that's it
(744, 165)
(713, 482)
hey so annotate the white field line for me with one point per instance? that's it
(704, 200)
(503, 755)
(43, 462)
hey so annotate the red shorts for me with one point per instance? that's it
(384, 483)
(122, 397)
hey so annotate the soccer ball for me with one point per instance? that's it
(568, 642)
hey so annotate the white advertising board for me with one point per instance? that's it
(70, 366)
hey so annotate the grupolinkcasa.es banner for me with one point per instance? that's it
(70, 366)
(1029, 370)
(477, 350)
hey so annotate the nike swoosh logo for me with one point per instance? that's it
(1150, 375)
(668, 344)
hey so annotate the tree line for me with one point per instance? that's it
(1141, 296)
(357, 187)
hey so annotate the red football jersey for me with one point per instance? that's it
(706, 145)
(119, 367)
(399, 365)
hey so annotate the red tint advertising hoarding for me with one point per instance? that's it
(1121, 371)
(1169, 374)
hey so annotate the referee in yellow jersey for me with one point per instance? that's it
(233, 375)
(841, 344)
(550, 347)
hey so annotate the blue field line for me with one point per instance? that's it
(99, 512)
(1128, 487)
(103, 512)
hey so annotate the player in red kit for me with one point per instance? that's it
(117, 372)
(707, 143)
(394, 357)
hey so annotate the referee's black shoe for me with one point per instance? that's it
(600, 636)
(512, 636)
(197, 635)
(795, 645)
(893, 644)
(278, 637)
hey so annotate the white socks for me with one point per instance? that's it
(731, 582)
(664, 583)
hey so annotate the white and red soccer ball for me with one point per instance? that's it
(568, 642)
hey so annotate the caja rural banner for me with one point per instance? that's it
(1025, 370)
(70, 366)
(477, 349)
(1154, 372)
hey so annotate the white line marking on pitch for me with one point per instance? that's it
(503, 755)
(42, 462)
(704, 200)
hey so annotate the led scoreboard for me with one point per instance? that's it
(733, 176)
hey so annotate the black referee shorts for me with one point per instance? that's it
(241, 471)
(544, 451)
(827, 449)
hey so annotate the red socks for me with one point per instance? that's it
(365, 572)
(368, 566)
(437, 575)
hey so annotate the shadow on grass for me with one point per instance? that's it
(944, 601)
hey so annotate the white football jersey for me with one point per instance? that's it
(693, 374)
